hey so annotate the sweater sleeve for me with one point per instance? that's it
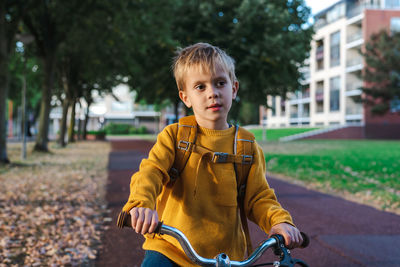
(147, 183)
(261, 204)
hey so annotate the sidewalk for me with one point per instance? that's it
(342, 233)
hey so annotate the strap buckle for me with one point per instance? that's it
(219, 157)
(173, 174)
(246, 159)
(185, 145)
(241, 192)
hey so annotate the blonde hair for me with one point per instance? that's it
(205, 56)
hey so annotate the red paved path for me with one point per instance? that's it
(342, 233)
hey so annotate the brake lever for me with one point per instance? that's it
(285, 258)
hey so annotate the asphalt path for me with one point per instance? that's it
(342, 233)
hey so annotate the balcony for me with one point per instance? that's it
(354, 10)
(319, 96)
(354, 37)
(320, 22)
(351, 86)
(354, 110)
(320, 53)
(354, 64)
(305, 114)
(305, 94)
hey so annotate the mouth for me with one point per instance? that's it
(214, 107)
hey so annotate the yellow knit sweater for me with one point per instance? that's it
(202, 203)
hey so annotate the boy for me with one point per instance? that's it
(202, 201)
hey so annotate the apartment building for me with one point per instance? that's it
(332, 80)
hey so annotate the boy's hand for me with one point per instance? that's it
(291, 234)
(144, 220)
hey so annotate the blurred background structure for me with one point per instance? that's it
(73, 59)
(334, 83)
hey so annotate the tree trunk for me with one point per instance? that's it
(86, 120)
(71, 131)
(42, 138)
(63, 126)
(3, 105)
(3, 86)
(79, 133)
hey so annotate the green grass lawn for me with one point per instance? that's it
(275, 134)
(370, 169)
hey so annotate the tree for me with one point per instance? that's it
(267, 39)
(50, 22)
(382, 72)
(11, 13)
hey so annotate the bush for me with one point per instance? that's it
(97, 133)
(119, 129)
(142, 130)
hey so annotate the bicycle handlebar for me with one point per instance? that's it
(222, 259)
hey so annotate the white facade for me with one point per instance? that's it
(332, 78)
(118, 106)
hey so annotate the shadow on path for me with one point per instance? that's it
(342, 233)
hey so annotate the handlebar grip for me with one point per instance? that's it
(306, 240)
(124, 220)
(304, 244)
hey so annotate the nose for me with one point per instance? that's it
(213, 92)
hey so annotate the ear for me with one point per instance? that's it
(185, 99)
(235, 88)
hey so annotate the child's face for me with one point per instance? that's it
(210, 96)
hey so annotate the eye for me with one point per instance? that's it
(221, 83)
(200, 87)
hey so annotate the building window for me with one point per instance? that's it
(320, 55)
(392, 3)
(336, 12)
(273, 106)
(306, 110)
(283, 107)
(334, 94)
(319, 97)
(395, 24)
(335, 49)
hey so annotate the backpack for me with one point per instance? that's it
(242, 160)
(186, 144)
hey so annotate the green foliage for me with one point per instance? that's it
(123, 129)
(372, 167)
(34, 80)
(266, 38)
(97, 133)
(382, 74)
(249, 113)
(276, 134)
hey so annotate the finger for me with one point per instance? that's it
(300, 241)
(288, 240)
(154, 222)
(140, 219)
(134, 215)
(146, 221)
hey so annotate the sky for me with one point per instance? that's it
(318, 5)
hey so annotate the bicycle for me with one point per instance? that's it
(276, 242)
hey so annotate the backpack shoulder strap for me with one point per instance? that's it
(243, 146)
(186, 137)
